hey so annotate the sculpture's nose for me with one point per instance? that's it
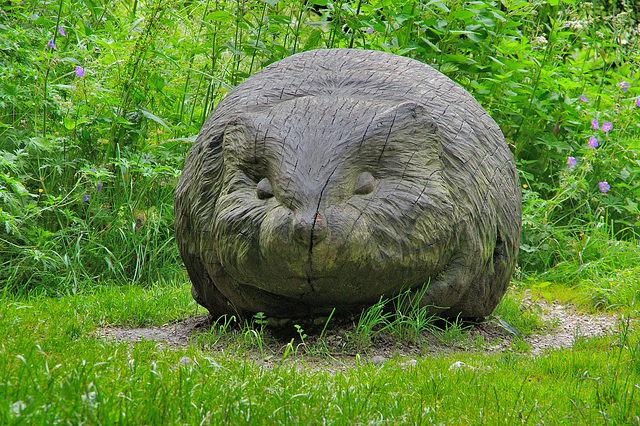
(309, 232)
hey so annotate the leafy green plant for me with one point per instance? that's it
(300, 332)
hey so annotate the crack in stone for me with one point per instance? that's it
(388, 136)
(317, 223)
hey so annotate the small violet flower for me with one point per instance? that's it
(86, 197)
(92, 170)
(61, 30)
(571, 161)
(369, 30)
(594, 124)
(607, 126)
(583, 99)
(51, 44)
(99, 186)
(79, 71)
(604, 186)
(623, 85)
(638, 102)
(593, 142)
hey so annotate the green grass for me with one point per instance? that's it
(53, 369)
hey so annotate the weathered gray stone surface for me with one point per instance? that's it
(334, 177)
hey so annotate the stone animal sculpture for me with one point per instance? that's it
(333, 178)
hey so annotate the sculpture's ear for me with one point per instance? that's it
(238, 140)
(211, 138)
(404, 114)
(239, 121)
(400, 135)
(241, 126)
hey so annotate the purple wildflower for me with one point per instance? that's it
(623, 85)
(583, 99)
(593, 142)
(85, 198)
(369, 30)
(51, 44)
(61, 30)
(594, 124)
(99, 186)
(607, 126)
(79, 71)
(604, 186)
(571, 161)
(638, 102)
(535, 47)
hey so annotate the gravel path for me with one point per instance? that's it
(567, 324)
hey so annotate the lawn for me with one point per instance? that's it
(56, 368)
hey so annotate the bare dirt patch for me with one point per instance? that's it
(565, 325)
(568, 325)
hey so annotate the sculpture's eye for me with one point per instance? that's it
(264, 189)
(364, 184)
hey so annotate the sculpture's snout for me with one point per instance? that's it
(309, 232)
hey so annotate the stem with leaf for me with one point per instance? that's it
(46, 77)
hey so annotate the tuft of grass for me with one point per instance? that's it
(216, 332)
(516, 319)
(453, 332)
(610, 289)
(371, 322)
(401, 317)
(410, 319)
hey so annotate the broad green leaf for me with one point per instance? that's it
(433, 46)
(218, 15)
(71, 123)
(515, 5)
(153, 117)
(313, 40)
(486, 21)
(64, 86)
(440, 4)
(135, 24)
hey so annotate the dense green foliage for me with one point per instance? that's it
(99, 102)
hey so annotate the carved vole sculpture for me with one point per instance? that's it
(334, 177)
